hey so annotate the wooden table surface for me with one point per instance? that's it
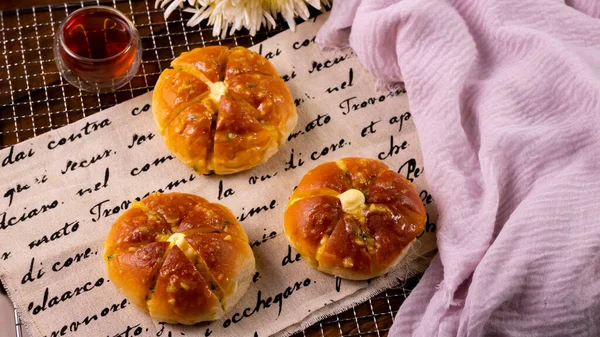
(369, 319)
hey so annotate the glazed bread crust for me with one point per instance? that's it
(223, 110)
(354, 218)
(179, 258)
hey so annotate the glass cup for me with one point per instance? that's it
(97, 49)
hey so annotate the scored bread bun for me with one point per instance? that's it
(179, 258)
(223, 110)
(353, 218)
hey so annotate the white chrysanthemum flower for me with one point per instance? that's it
(228, 16)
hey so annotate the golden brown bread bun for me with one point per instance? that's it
(354, 218)
(223, 110)
(179, 258)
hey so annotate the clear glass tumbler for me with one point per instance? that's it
(97, 49)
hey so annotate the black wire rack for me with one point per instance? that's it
(35, 99)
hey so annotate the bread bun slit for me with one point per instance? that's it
(210, 61)
(214, 286)
(181, 108)
(125, 248)
(245, 61)
(194, 72)
(211, 142)
(152, 284)
(181, 294)
(132, 270)
(218, 260)
(200, 230)
(311, 193)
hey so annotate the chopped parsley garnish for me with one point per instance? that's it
(361, 233)
(151, 291)
(110, 257)
(251, 85)
(225, 224)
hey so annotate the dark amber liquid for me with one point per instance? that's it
(101, 42)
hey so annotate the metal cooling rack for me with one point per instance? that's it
(35, 99)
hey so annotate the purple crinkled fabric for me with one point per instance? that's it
(505, 95)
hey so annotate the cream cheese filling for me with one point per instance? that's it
(352, 200)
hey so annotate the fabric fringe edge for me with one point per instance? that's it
(394, 278)
(24, 326)
(413, 267)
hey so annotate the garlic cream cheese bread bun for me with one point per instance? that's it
(223, 110)
(354, 218)
(179, 258)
